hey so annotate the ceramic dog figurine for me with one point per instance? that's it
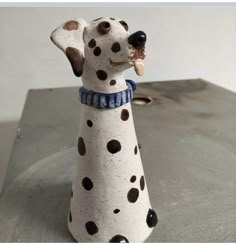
(109, 199)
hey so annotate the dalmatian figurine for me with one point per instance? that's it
(109, 198)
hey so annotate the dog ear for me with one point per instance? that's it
(69, 38)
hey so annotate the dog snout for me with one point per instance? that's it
(137, 39)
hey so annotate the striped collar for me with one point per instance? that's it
(107, 100)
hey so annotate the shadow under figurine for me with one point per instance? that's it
(109, 199)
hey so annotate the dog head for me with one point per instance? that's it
(104, 45)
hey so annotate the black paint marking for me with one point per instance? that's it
(116, 211)
(97, 51)
(92, 43)
(152, 219)
(91, 227)
(112, 82)
(124, 24)
(113, 146)
(97, 19)
(142, 183)
(133, 195)
(87, 184)
(119, 239)
(133, 179)
(102, 75)
(115, 47)
(89, 123)
(124, 114)
(70, 217)
(81, 146)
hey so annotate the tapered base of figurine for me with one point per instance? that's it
(109, 198)
(138, 235)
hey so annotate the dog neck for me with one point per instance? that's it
(111, 83)
(107, 100)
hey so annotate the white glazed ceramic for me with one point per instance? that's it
(109, 199)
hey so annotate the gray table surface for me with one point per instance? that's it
(188, 140)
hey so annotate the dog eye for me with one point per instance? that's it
(124, 24)
(104, 27)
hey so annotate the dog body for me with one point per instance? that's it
(109, 200)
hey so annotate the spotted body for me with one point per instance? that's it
(109, 198)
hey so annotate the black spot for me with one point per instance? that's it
(89, 123)
(87, 184)
(142, 183)
(119, 239)
(91, 227)
(97, 19)
(135, 150)
(71, 193)
(112, 82)
(116, 211)
(124, 114)
(133, 179)
(115, 47)
(92, 43)
(133, 195)
(124, 24)
(81, 146)
(70, 217)
(97, 51)
(102, 75)
(112, 19)
(151, 218)
(139, 145)
(113, 146)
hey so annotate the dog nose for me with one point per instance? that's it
(137, 39)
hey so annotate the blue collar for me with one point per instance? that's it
(107, 100)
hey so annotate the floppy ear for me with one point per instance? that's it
(69, 38)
